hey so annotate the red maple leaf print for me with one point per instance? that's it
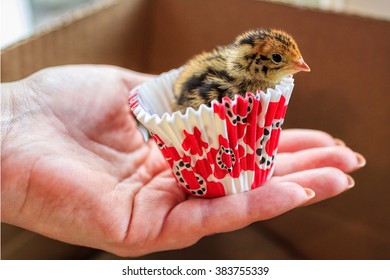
(193, 142)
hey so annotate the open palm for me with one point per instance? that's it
(76, 168)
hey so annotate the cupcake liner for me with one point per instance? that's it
(222, 149)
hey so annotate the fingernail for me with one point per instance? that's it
(361, 160)
(351, 181)
(339, 142)
(310, 193)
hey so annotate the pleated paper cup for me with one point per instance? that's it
(222, 149)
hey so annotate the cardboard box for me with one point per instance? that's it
(346, 94)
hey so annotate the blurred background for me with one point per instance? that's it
(345, 42)
(22, 17)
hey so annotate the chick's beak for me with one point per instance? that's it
(300, 65)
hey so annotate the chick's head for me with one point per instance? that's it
(270, 54)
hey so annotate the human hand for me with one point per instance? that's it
(76, 168)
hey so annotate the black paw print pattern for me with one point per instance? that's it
(179, 166)
(229, 152)
(264, 160)
(236, 118)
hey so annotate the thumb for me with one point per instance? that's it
(133, 78)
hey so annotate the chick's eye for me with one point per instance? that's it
(276, 58)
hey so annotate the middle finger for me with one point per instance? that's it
(339, 157)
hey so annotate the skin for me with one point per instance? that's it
(76, 168)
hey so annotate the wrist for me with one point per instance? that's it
(6, 111)
(15, 119)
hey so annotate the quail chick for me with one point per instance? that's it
(258, 59)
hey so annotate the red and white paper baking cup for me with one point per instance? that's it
(220, 150)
